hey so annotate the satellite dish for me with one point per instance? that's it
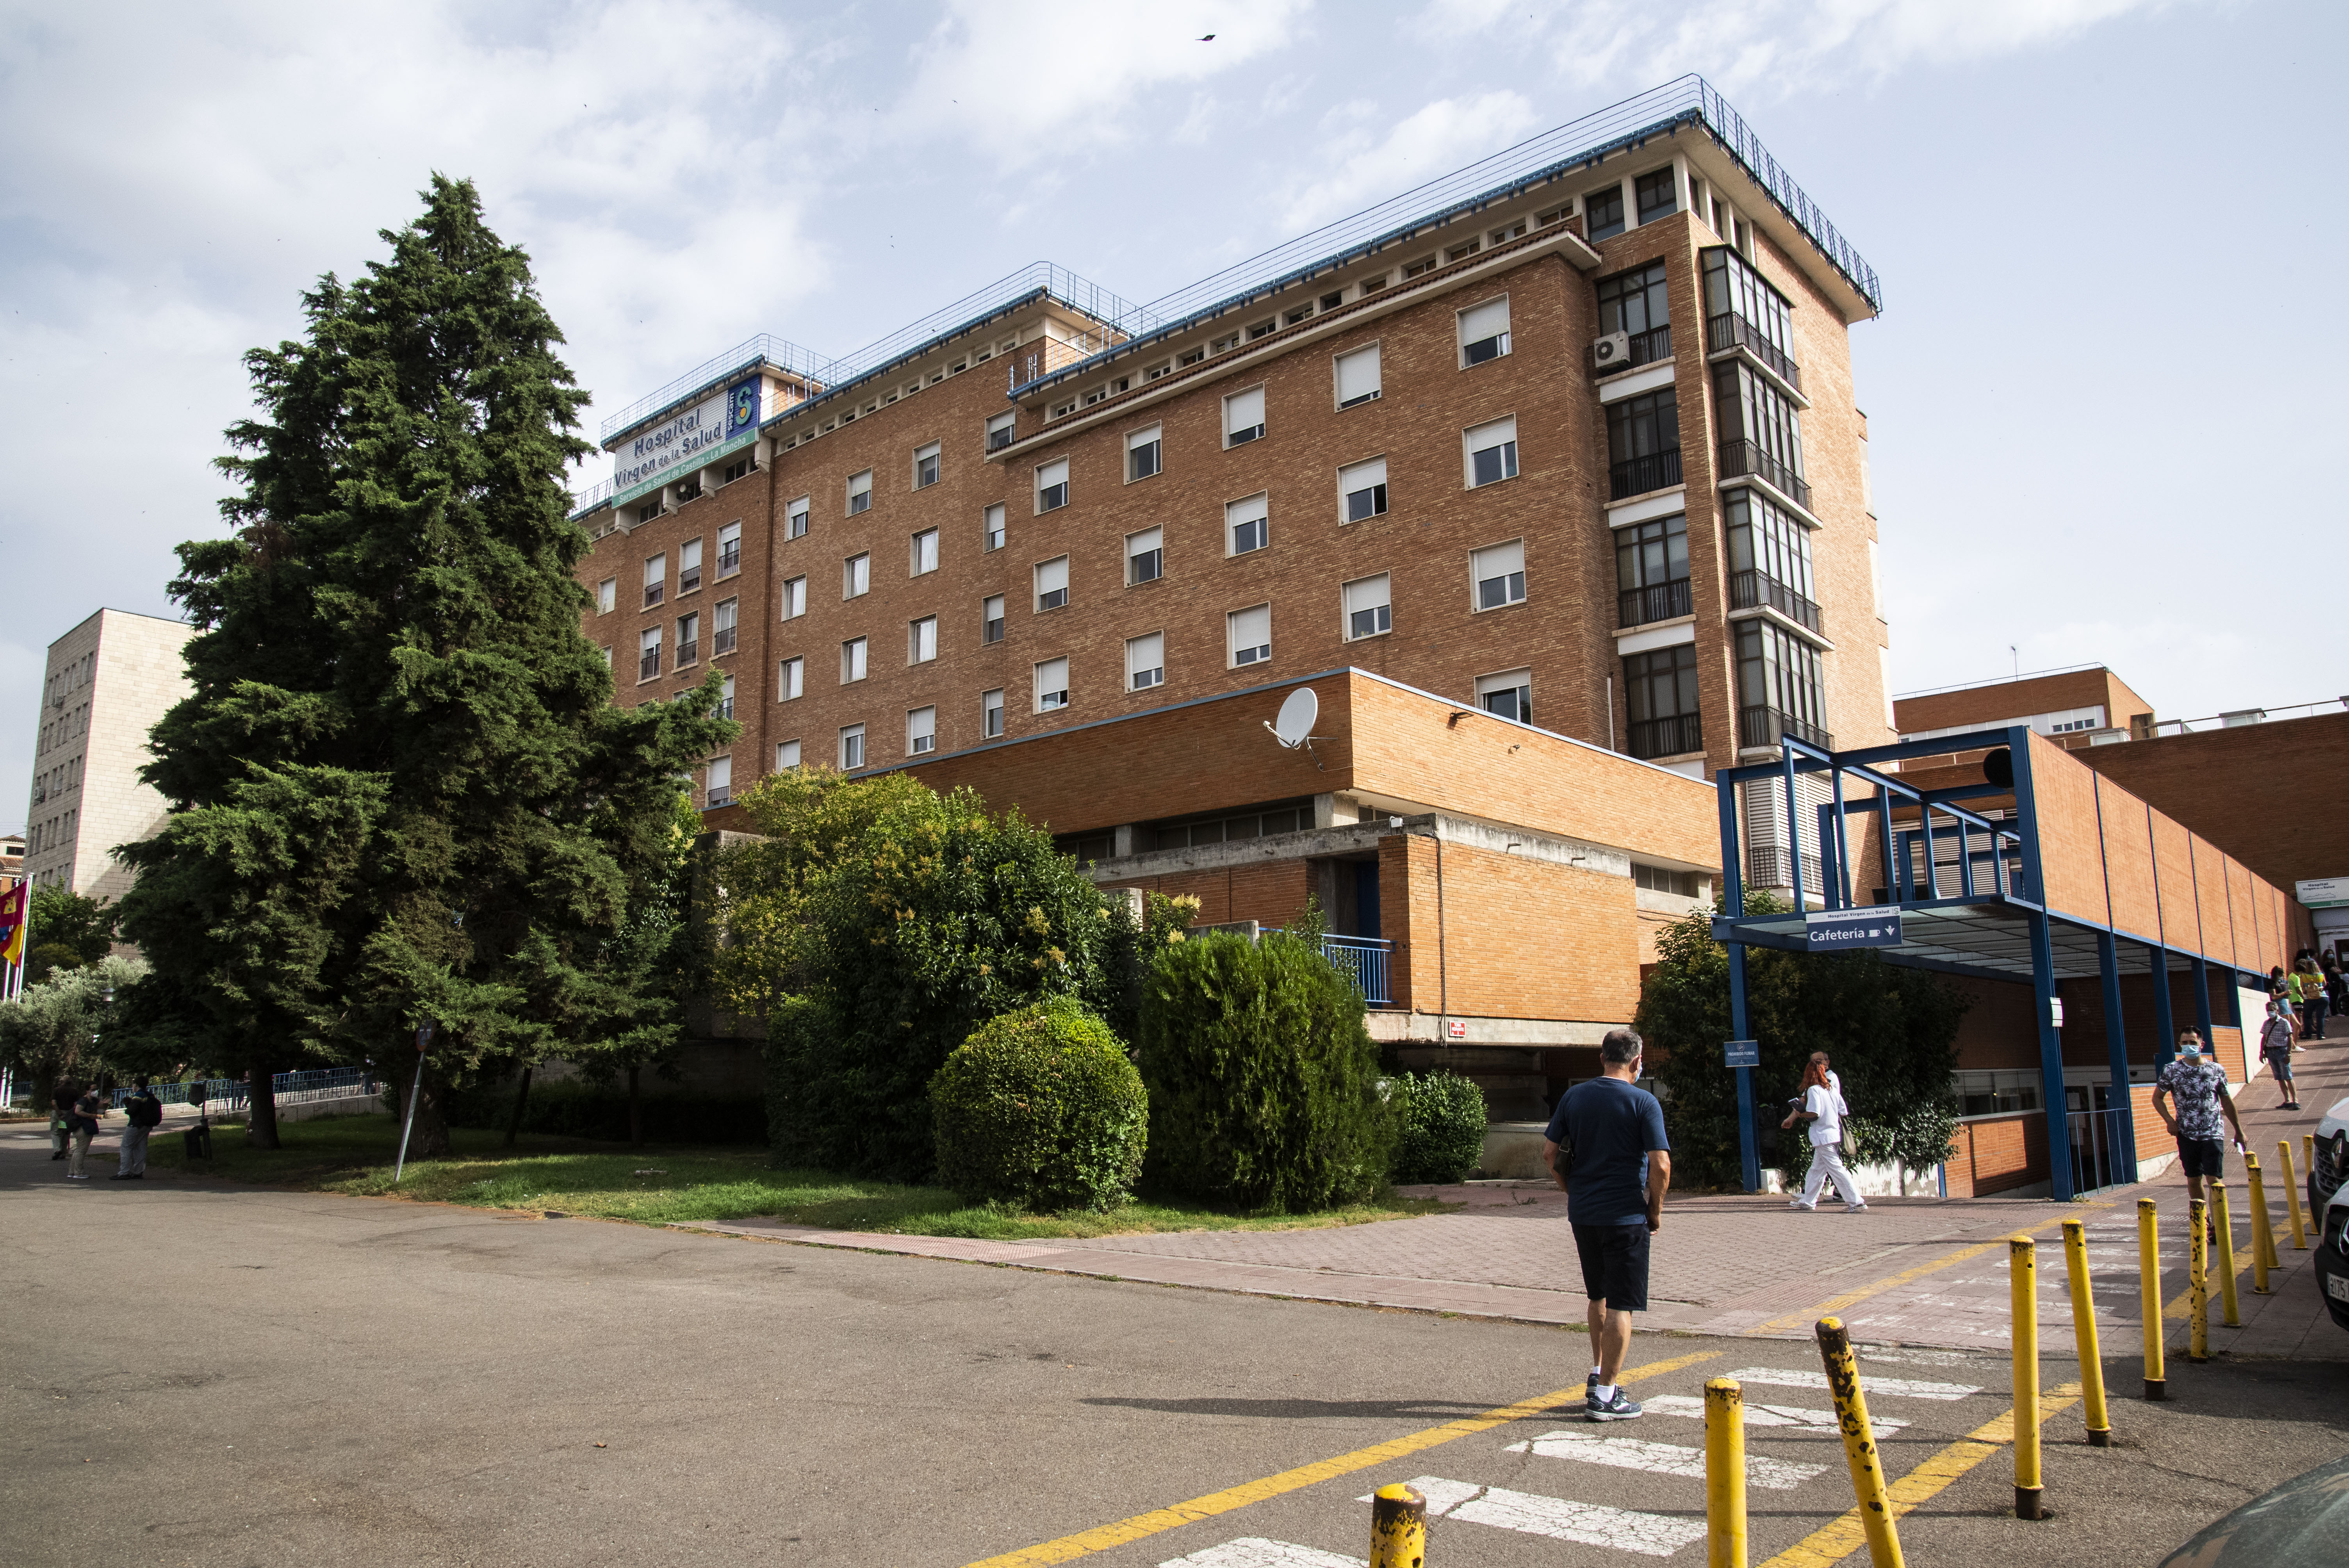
(1295, 724)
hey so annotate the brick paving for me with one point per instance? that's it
(1910, 1271)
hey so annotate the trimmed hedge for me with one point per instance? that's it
(1041, 1108)
(1262, 1078)
(1442, 1134)
(573, 1109)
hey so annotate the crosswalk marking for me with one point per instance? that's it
(1821, 1421)
(1898, 1387)
(1591, 1524)
(1256, 1552)
(1660, 1459)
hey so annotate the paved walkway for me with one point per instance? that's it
(1910, 1271)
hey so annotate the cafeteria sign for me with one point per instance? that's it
(1832, 930)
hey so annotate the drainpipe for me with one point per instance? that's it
(1443, 973)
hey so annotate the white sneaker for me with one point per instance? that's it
(1802, 1207)
(1855, 1208)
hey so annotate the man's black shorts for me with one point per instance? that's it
(1614, 1265)
(2203, 1156)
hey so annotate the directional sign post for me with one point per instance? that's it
(1834, 929)
(1744, 1056)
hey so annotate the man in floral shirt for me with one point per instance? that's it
(2198, 1086)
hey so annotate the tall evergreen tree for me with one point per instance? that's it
(405, 794)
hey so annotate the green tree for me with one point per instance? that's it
(65, 930)
(64, 1027)
(1891, 1032)
(1040, 1107)
(389, 642)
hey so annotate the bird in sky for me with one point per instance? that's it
(1208, 40)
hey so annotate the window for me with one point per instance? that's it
(648, 512)
(1509, 693)
(1660, 694)
(852, 747)
(787, 755)
(1369, 607)
(1358, 376)
(1052, 486)
(726, 698)
(1250, 635)
(607, 656)
(1053, 584)
(689, 640)
(925, 466)
(1412, 269)
(1484, 332)
(1657, 195)
(1264, 328)
(859, 492)
(1769, 557)
(1499, 573)
(1243, 416)
(1643, 444)
(1260, 822)
(991, 525)
(795, 518)
(722, 627)
(990, 713)
(922, 731)
(1051, 685)
(1493, 452)
(1294, 316)
(655, 580)
(1364, 488)
(1761, 433)
(999, 431)
(856, 576)
(922, 640)
(1248, 524)
(1638, 302)
(925, 554)
(1602, 212)
(1332, 301)
(1656, 879)
(735, 470)
(1141, 454)
(852, 660)
(990, 618)
(795, 598)
(607, 595)
(1651, 572)
(1145, 662)
(688, 489)
(729, 549)
(718, 786)
(1780, 686)
(791, 679)
(648, 650)
(1145, 558)
(688, 567)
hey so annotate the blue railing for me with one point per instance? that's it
(1364, 960)
(320, 1083)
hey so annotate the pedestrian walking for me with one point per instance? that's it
(2314, 1003)
(2278, 1031)
(85, 1112)
(2336, 988)
(61, 1111)
(2198, 1090)
(144, 1113)
(1605, 1147)
(1821, 1113)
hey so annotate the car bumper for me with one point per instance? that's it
(2332, 1279)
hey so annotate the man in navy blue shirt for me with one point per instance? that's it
(1614, 1178)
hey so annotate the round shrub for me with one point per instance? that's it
(1442, 1134)
(1263, 1080)
(1040, 1107)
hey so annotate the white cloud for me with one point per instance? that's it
(1364, 167)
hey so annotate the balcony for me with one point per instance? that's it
(1647, 347)
(688, 653)
(721, 641)
(1363, 960)
(1763, 726)
(1723, 333)
(1654, 737)
(1741, 458)
(1656, 601)
(1750, 589)
(649, 664)
(1635, 476)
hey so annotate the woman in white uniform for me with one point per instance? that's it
(1823, 1111)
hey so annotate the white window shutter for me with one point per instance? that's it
(1487, 320)
(1358, 374)
(1243, 410)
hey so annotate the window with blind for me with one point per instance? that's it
(1051, 685)
(922, 640)
(1363, 490)
(852, 660)
(1484, 332)
(1053, 584)
(921, 730)
(795, 518)
(688, 567)
(1250, 635)
(1499, 574)
(1052, 486)
(787, 755)
(852, 747)
(1244, 417)
(1509, 693)
(1145, 662)
(729, 549)
(1142, 452)
(1145, 556)
(791, 679)
(859, 492)
(1248, 524)
(1358, 376)
(1492, 452)
(1369, 604)
(655, 580)
(925, 466)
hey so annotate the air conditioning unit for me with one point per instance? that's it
(1612, 352)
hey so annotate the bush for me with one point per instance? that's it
(1443, 1131)
(1263, 1081)
(1041, 1108)
(573, 1110)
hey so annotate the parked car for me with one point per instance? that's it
(2331, 1162)
(2303, 1523)
(2332, 1255)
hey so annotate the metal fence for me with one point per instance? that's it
(287, 1089)
(1365, 959)
(2099, 1148)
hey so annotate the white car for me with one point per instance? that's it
(2331, 1162)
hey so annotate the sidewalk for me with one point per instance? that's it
(1911, 1271)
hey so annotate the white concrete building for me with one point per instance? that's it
(109, 680)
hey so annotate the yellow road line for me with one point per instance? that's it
(1833, 1306)
(1103, 1537)
(1832, 1542)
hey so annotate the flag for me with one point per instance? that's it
(12, 923)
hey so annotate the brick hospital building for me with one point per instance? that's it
(1548, 478)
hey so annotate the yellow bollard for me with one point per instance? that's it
(2291, 1194)
(2198, 1278)
(1724, 1473)
(1397, 1527)
(2149, 1288)
(2083, 1335)
(2023, 1290)
(2260, 1237)
(1868, 1484)
(2308, 1163)
(2225, 1222)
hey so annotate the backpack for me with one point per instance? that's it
(145, 1111)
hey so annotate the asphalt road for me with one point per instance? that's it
(198, 1374)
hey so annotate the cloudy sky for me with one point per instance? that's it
(2084, 447)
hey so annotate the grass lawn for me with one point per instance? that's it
(660, 1185)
